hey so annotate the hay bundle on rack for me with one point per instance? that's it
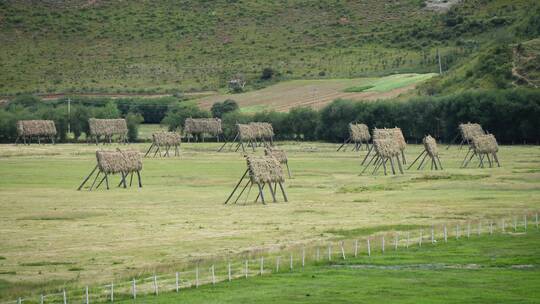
(470, 130)
(430, 145)
(386, 148)
(279, 155)
(108, 127)
(113, 162)
(263, 169)
(398, 137)
(431, 151)
(484, 144)
(166, 138)
(359, 132)
(262, 130)
(245, 132)
(36, 128)
(210, 126)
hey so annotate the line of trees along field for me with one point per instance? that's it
(512, 115)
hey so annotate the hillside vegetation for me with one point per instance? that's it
(165, 45)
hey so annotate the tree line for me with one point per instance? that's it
(510, 114)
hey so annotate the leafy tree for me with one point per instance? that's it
(220, 108)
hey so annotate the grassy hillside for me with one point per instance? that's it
(165, 45)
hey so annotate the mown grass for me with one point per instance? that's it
(487, 269)
(178, 216)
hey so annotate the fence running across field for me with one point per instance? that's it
(297, 257)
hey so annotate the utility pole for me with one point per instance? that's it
(69, 116)
(440, 66)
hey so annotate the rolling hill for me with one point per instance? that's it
(164, 45)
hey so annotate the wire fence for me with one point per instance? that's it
(260, 262)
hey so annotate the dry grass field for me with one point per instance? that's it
(318, 93)
(51, 234)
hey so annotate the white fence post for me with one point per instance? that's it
(156, 291)
(246, 268)
(134, 289)
(355, 248)
(382, 244)
(213, 275)
(421, 237)
(468, 230)
(491, 227)
(197, 276)
(278, 258)
(536, 219)
(42, 299)
(229, 271)
(445, 234)
(65, 296)
(87, 296)
(457, 231)
(432, 234)
(479, 227)
(291, 262)
(262, 265)
(177, 281)
(408, 239)
(303, 257)
(525, 221)
(396, 241)
(329, 252)
(368, 247)
(342, 251)
(112, 291)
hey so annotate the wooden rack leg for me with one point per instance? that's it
(439, 160)
(367, 166)
(412, 164)
(149, 149)
(392, 165)
(496, 159)
(469, 160)
(399, 165)
(94, 182)
(87, 178)
(403, 157)
(243, 189)
(261, 194)
(422, 162)
(384, 166)
(139, 178)
(343, 144)
(489, 161)
(367, 154)
(130, 179)
(288, 170)
(236, 187)
(272, 192)
(283, 192)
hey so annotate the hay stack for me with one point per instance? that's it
(485, 144)
(470, 130)
(27, 128)
(166, 138)
(108, 127)
(210, 126)
(245, 132)
(398, 137)
(264, 169)
(430, 145)
(112, 162)
(386, 148)
(278, 154)
(262, 130)
(359, 132)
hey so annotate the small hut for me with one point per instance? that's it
(28, 129)
(430, 150)
(115, 162)
(482, 146)
(279, 155)
(106, 129)
(358, 135)
(165, 141)
(199, 127)
(252, 135)
(263, 171)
